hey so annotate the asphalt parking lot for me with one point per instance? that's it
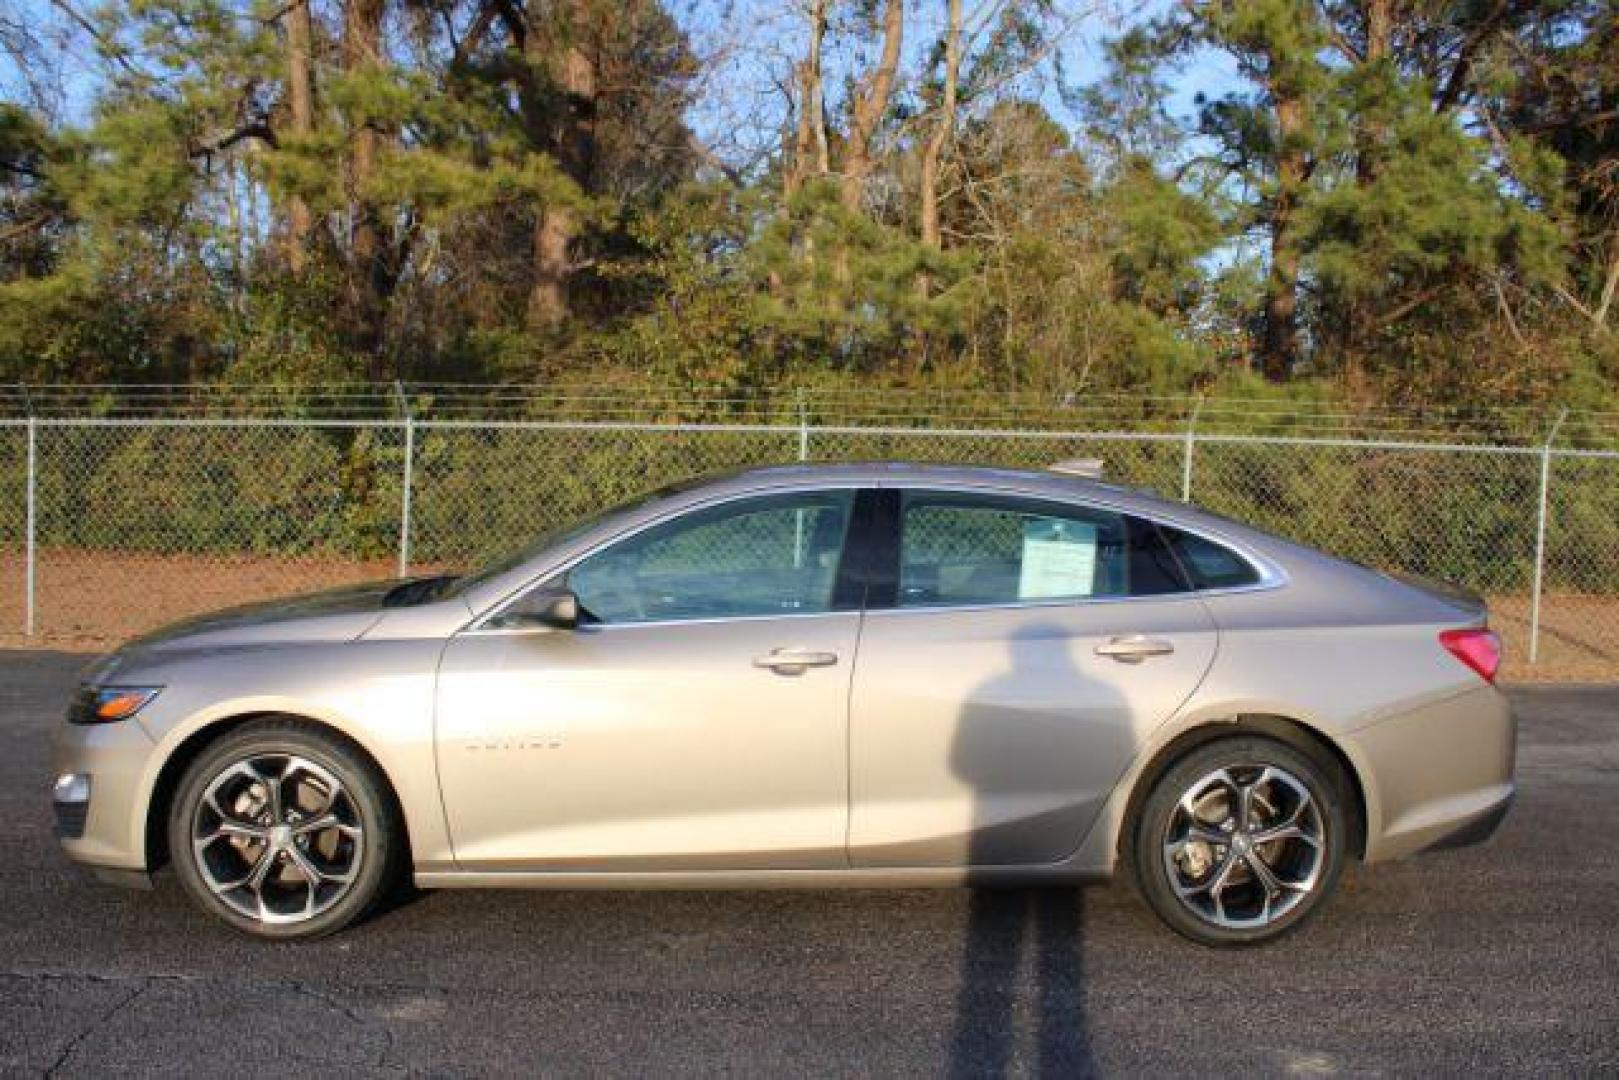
(1497, 960)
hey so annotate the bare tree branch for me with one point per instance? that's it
(112, 48)
(256, 129)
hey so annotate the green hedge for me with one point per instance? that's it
(480, 492)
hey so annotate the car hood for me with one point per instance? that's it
(340, 614)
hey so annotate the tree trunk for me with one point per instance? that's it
(362, 52)
(810, 157)
(1610, 285)
(1379, 17)
(1349, 325)
(301, 122)
(1279, 344)
(554, 231)
(870, 103)
(944, 129)
(559, 50)
(1372, 136)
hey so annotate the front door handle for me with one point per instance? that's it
(794, 661)
(1134, 648)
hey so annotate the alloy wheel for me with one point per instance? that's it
(1245, 846)
(277, 837)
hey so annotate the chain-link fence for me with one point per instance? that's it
(116, 520)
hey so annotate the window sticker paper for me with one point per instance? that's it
(1059, 559)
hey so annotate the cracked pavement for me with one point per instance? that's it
(1495, 960)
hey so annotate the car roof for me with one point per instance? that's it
(915, 473)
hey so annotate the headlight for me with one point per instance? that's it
(105, 704)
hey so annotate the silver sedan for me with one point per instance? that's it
(867, 675)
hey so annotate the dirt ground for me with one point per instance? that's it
(1579, 637)
(89, 601)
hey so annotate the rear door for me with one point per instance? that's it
(1020, 654)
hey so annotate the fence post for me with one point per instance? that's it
(1540, 536)
(30, 543)
(1186, 455)
(803, 429)
(407, 481)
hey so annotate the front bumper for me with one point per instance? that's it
(70, 804)
(100, 816)
(1438, 775)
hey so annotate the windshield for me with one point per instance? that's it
(557, 537)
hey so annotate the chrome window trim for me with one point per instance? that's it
(1054, 602)
(480, 625)
(597, 628)
(1271, 576)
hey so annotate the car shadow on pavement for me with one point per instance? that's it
(1020, 1004)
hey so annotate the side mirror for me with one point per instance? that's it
(555, 610)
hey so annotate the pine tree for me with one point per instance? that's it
(1272, 138)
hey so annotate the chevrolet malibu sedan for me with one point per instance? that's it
(849, 675)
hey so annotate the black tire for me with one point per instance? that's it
(1163, 827)
(365, 865)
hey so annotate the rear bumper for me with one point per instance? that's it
(1477, 831)
(1439, 775)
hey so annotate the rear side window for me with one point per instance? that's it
(1209, 565)
(976, 549)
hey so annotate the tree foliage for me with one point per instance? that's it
(1384, 198)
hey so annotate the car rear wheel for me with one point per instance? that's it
(1242, 840)
(283, 832)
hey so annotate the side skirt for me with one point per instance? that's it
(862, 878)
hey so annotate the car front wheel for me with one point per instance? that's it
(283, 831)
(1242, 840)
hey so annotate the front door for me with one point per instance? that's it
(697, 718)
(1005, 687)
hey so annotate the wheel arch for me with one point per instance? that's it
(1286, 729)
(196, 742)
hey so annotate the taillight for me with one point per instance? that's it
(1478, 648)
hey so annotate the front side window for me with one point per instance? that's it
(771, 555)
(974, 549)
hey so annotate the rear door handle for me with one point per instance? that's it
(794, 661)
(1134, 648)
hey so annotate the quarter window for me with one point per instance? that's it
(774, 555)
(971, 549)
(1209, 565)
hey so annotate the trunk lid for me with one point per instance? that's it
(1471, 603)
